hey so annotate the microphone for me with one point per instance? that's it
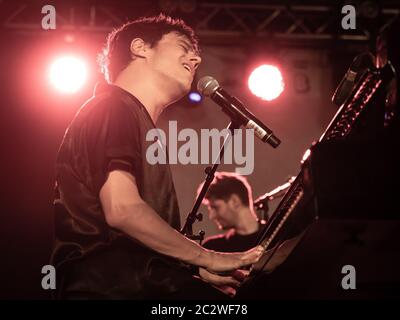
(346, 85)
(209, 87)
(279, 191)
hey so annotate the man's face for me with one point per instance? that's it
(222, 213)
(174, 61)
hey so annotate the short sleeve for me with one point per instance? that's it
(122, 137)
(113, 141)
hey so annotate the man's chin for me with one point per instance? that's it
(187, 86)
(184, 88)
(179, 96)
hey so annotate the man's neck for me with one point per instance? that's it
(247, 222)
(140, 84)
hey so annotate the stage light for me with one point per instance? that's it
(266, 82)
(68, 74)
(195, 97)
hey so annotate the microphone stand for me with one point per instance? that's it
(187, 229)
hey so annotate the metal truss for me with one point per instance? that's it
(221, 21)
(298, 22)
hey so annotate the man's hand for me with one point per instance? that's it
(227, 283)
(223, 270)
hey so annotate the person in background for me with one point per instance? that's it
(230, 206)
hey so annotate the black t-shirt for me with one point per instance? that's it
(233, 242)
(89, 255)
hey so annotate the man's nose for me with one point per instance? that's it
(195, 60)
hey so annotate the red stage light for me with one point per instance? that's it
(68, 74)
(266, 82)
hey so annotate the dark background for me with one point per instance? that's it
(34, 117)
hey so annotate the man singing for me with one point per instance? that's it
(117, 216)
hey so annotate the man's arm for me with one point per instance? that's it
(125, 210)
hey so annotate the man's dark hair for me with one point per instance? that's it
(225, 184)
(116, 54)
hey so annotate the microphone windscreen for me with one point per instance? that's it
(207, 86)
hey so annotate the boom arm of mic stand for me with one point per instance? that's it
(187, 229)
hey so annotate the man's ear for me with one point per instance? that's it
(138, 48)
(235, 201)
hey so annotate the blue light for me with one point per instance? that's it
(195, 97)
